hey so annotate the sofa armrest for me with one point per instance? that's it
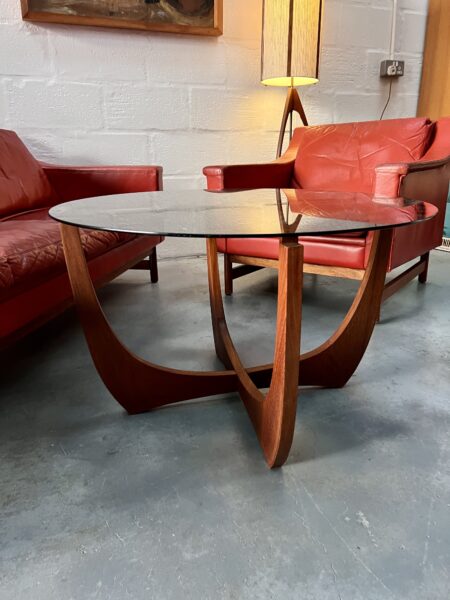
(74, 183)
(389, 177)
(276, 174)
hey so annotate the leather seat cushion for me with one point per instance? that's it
(31, 252)
(23, 183)
(343, 157)
(338, 251)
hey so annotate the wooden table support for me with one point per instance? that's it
(273, 415)
(140, 386)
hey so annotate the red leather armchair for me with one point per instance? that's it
(400, 157)
(34, 285)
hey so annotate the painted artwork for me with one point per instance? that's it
(202, 17)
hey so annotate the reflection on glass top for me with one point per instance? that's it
(250, 213)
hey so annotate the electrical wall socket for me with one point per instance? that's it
(392, 68)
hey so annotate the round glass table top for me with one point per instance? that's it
(250, 213)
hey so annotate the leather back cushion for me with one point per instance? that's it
(23, 183)
(342, 157)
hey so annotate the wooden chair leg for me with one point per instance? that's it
(419, 269)
(424, 275)
(228, 274)
(153, 260)
(150, 264)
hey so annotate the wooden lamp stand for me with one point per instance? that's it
(293, 104)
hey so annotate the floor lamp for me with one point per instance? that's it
(290, 47)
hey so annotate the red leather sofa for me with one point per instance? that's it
(34, 285)
(401, 157)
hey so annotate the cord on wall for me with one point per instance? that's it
(387, 101)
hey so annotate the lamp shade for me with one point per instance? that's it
(290, 42)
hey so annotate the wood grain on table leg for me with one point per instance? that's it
(335, 361)
(273, 415)
(136, 384)
(140, 386)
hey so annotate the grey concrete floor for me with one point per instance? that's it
(178, 504)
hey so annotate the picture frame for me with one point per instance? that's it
(192, 17)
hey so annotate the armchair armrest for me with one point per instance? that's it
(421, 180)
(73, 183)
(389, 178)
(275, 174)
(426, 165)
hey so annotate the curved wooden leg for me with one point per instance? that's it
(139, 385)
(273, 415)
(136, 384)
(334, 362)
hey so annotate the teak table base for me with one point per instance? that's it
(140, 386)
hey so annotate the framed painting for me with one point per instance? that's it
(197, 17)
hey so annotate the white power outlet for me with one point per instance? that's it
(392, 68)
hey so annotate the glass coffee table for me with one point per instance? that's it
(139, 385)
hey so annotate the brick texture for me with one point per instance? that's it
(84, 95)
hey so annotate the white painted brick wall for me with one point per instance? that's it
(82, 95)
(141, 107)
(34, 103)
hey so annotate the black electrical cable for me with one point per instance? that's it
(388, 100)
